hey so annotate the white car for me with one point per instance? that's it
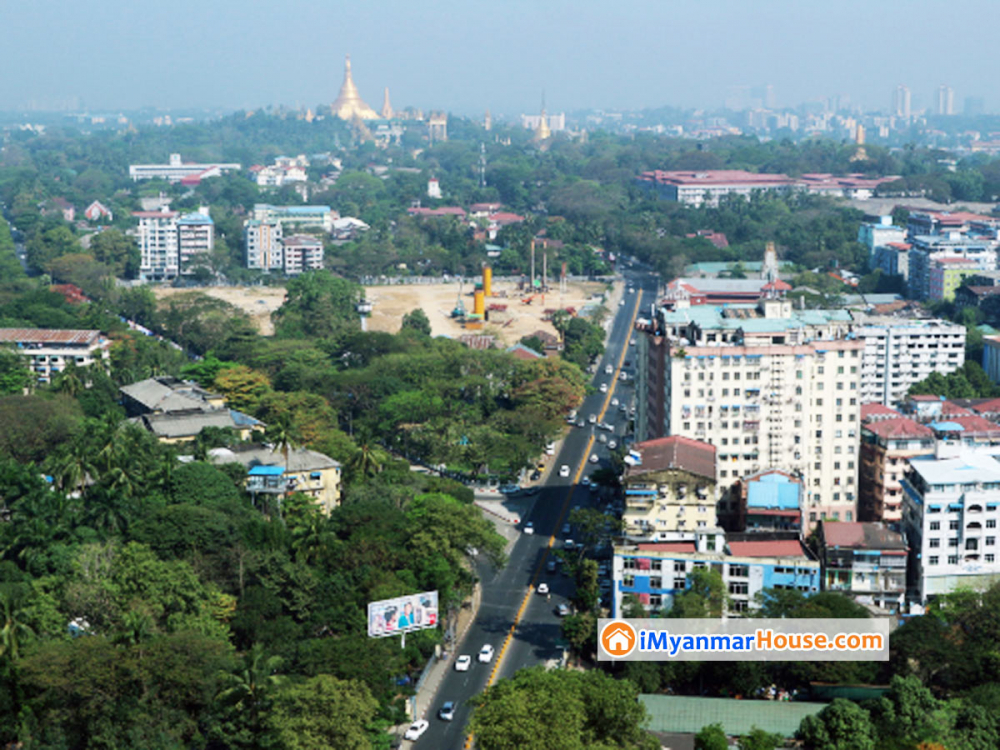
(550, 449)
(608, 369)
(612, 445)
(614, 402)
(543, 588)
(529, 528)
(593, 458)
(603, 438)
(416, 729)
(562, 610)
(631, 290)
(592, 419)
(447, 711)
(631, 342)
(463, 663)
(564, 471)
(621, 304)
(569, 544)
(486, 654)
(604, 387)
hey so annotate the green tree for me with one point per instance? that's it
(247, 692)
(705, 595)
(322, 712)
(318, 305)
(842, 725)
(712, 737)
(15, 377)
(417, 321)
(758, 739)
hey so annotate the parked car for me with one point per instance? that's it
(569, 544)
(536, 475)
(580, 423)
(463, 663)
(562, 610)
(416, 729)
(550, 449)
(586, 480)
(603, 438)
(529, 528)
(447, 711)
(486, 654)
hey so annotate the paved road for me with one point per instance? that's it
(508, 596)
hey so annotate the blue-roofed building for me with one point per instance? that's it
(769, 501)
(272, 471)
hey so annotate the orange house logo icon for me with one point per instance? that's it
(618, 639)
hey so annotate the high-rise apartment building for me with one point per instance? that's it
(769, 387)
(899, 353)
(901, 102)
(195, 240)
(888, 442)
(262, 240)
(171, 245)
(946, 100)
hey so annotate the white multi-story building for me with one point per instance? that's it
(177, 170)
(263, 245)
(171, 244)
(901, 352)
(950, 515)
(157, 237)
(49, 350)
(770, 387)
(296, 218)
(708, 187)
(302, 252)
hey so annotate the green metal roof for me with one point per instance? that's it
(688, 715)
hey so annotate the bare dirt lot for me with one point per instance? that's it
(436, 300)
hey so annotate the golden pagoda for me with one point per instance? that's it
(542, 132)
(349, 104)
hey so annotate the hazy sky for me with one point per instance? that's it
(467, 55)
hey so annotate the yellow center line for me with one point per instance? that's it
(562, 511)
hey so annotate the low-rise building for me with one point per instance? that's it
(177, 170)
(273, 471)
(669, 486)
(185, 426)
(951, 509)
(947, 275)
(696, 188)
(302, 252)
(768, 501)
(866, 561)
(296, 218)
(991, 357)
(654, 573)
(165, 394)
(50, 350)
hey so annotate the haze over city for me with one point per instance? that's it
(470, 56)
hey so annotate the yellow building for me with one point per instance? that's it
(270, 473)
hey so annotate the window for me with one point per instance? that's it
(991, 523)
(990, 558)
(656, 565)
(738, 587)
(739, 605)
(953, 559)
(934, 543)
(656, 583)
(656, 600)
(991, 541)
(628, 579)
(933, 560)
(679, 566)
(953, 525)
(739, 571)
(935, 526)
(953, 541)
(679, 583)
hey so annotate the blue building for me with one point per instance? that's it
(656, 572)
(769, 501)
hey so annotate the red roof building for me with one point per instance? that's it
(785, 548)
(875, 411)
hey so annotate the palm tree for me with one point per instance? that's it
(248, 688)
(283, 437)
(74, 466)
(69, 381)
(13, 628)
(366, 459)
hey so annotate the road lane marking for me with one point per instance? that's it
(562, 512)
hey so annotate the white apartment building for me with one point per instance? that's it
(177, 170)
(50, 350)
(708, 187)
(157, 237)
(263, 245)
(951, 508)
(769, 387)
(302, 252)
(171, 244)
(285, 169)
(899, 353)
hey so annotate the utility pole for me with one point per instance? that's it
(532, 266)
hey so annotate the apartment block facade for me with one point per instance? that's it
(171, 245)
(866, 561)
(302, 252)
(950, 517)
(263, 245)
(770, 387)
(296, 218)
(50, 350)
(901, 352)
(887, 445)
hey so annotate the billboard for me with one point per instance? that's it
(403, 614)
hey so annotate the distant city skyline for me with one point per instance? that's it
(466, 57)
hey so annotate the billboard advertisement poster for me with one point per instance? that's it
(403, 614)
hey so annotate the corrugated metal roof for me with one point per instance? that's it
(769, 548)
(680, 713)
(674, 452)
(47, 336)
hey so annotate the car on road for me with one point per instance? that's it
(612, 445)
(529, 528)
(631, 342)
(623, 409)
(608, 427)
(614, 402)
(624, 376)
(416, 729)
(604, 388)
(564, 471)
(565, 528)
(551, 566)
(631, 290)
(543, 588)
(593, 458)
(593, 486)
(572, 416)
(608, 369)
(585, 481)
(463, 663)
(536, 475)
(486, 654)
(592, 419)
(603, 438)
(532, 491)
(562, 610)
(569, 544)
(622, 303)
(510, 489)
(447, 711)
